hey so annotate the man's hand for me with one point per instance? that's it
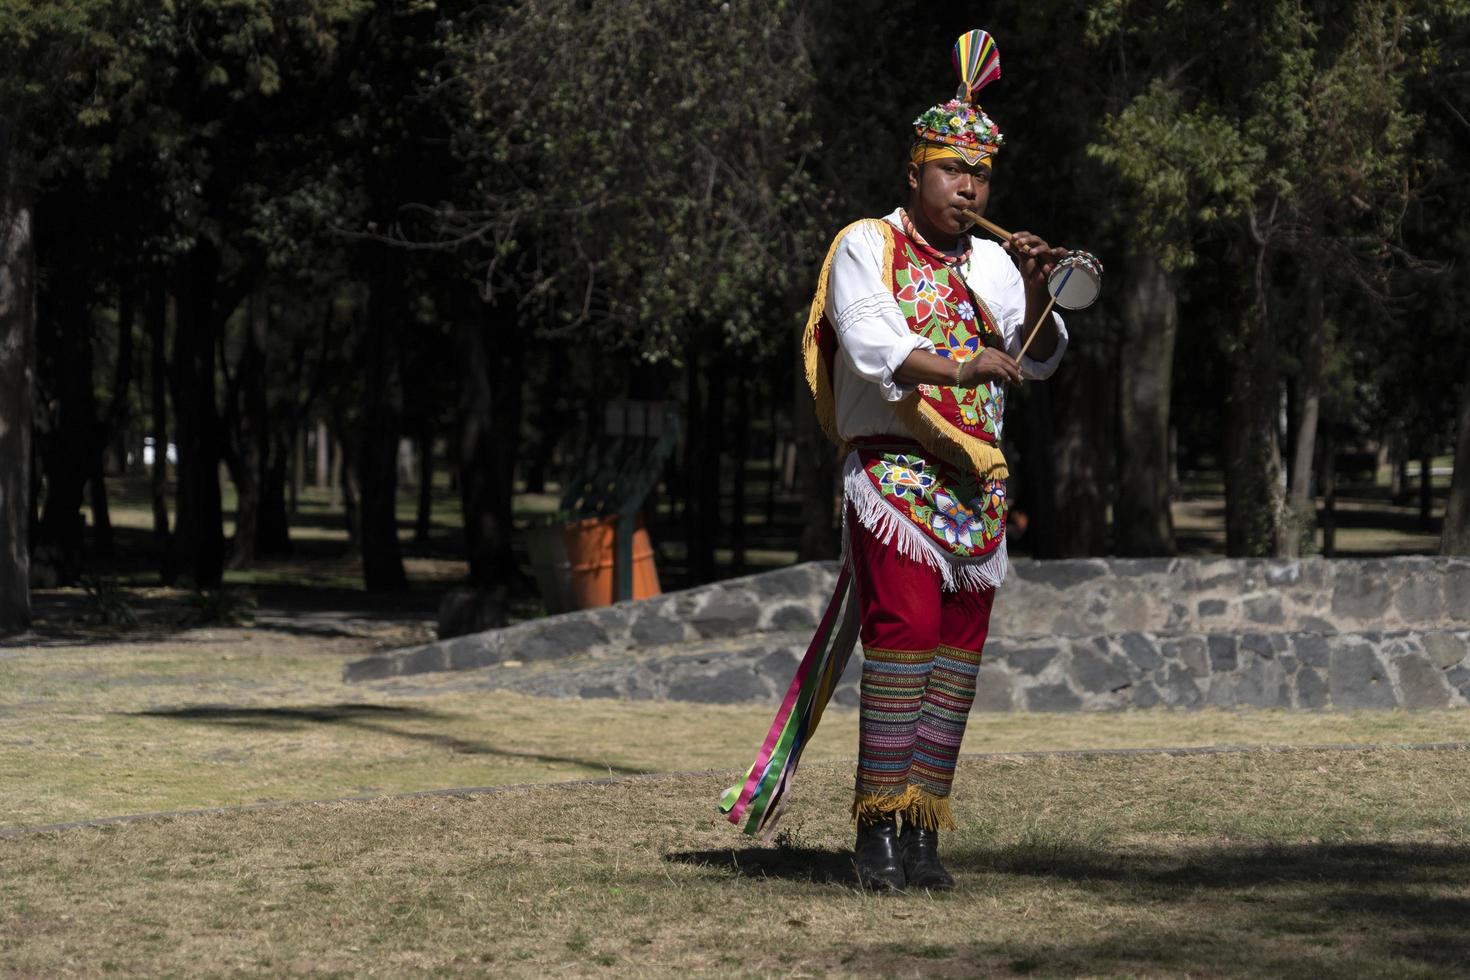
(1034, 258)
(993, 364)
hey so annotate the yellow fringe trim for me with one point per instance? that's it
(914, 804)
(941, 438)
(929, 811)
(875, 806)
(817, 377)
(923, 421)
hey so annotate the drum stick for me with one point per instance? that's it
(1039, 321)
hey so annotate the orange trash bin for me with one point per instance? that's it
(591, 551)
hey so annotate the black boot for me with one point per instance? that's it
(879, 866)
(920, 850)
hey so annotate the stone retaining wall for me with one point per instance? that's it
(1101, 673)
(1257, 670)
(1074, 598)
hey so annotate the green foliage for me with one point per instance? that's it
(1184, 168)
(655, 153)
(648, 180)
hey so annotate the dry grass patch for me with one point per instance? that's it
(1298, 864)
(231, 716)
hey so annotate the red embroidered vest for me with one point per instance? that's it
(960, 425)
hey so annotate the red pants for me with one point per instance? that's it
(921, 654)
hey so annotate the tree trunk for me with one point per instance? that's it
(298, 466)
(114, 422)
(339, 475)
(1426, 490)
(1398, 487)
(67, 446)
(380, 420)
(424, 518)
(1070, 505)
(1142, 523)
(199, 541)
(1454, 539)
(775, 453)
(1301, 508)
(323, 456)
(508, 344)
(738, 464)
(1329, 496)
(344, 489)
(273, 520)
(704, 450)
(486, 439)
(17, 373)
(1253, 499)
(102, 545)
(250, 435)
(157, 382)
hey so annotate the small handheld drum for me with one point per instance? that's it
(1076, 281)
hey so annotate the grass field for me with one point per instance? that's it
(1293, 863)
(1302, 864)
(219, 717)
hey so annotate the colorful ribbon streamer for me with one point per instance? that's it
(759, 798)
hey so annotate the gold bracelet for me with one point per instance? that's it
(958, 370)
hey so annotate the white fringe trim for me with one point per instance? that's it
(891, 527)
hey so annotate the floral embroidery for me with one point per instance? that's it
(904, 475)
(919, 294)
(991, 507)
(937, 305)
(959, 512)
(922, 291)
(953, 521)
(992, 398)
(956, 346)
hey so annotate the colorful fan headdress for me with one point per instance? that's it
(959, 127)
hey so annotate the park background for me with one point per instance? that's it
(390, 268)
(312, 312)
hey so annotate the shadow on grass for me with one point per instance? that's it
(1293, 910)
(370, 718)
(288, 718)
(1226, 867)
(809, 864)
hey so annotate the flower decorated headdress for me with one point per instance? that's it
(959, 127)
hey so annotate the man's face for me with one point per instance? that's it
(941, 189)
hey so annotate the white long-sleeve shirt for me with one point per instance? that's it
(874, 338)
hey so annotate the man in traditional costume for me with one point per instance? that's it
(913, 335)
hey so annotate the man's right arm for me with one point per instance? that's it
(872, 334)
(925, 368)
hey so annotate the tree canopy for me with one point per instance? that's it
(255, 215)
